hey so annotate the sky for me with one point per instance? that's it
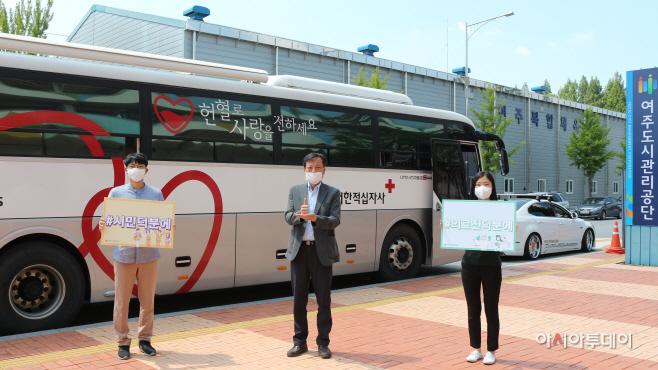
(553, 40)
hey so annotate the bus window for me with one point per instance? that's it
(193, 128)
(346, 138)
(21, 143)
(243, 153)
(405, 144)
(183, 150)
(449, 176)
(63, 145)
(107, 115)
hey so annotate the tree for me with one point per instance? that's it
(26, 20)
(621, 156)
(375, 81)
(491, 121)
(582, 89)
(569, 91)
(587, 147)
(525, 87)
(594, 93)
(548, 87)
(614, 96)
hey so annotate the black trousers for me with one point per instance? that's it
(490, 278)
(303, 268)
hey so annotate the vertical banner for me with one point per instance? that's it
(641, 91)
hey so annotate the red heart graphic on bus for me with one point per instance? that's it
(92, 235)
(173, 122)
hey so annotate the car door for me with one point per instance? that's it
(546, 224)
(568, 230)
(616, 207)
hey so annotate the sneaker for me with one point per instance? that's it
(124, 352)
(474, 356)
(489, 359)
(146, 348)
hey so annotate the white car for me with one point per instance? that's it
(553, 196)
(545, 227)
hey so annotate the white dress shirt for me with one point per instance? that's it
(311, 198)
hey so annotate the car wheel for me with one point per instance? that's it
(532, 247)
(401, 254)
(603, 215)
(619, 215)
(41, 287)
(587, 244)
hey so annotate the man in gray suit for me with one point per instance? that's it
(314, 213)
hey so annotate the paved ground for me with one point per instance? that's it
(99, 312)
(417, 324)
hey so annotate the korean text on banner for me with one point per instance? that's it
(479, 225)
(139, 223)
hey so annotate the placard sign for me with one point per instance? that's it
(139, 223)
(641, 133)
(479, 225)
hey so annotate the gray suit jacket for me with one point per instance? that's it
(327, 210)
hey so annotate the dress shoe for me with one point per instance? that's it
(297, 350)
(325, 352)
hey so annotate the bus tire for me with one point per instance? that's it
(401, 254)
(41, 287)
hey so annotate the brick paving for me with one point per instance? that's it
(418, 324)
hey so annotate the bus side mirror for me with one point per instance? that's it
(504, 162)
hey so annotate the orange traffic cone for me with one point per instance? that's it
(615, 246)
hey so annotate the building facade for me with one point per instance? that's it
(543, 122)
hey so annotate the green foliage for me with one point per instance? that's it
(621, 156)
(525, 87)
(582, 89)
(614, 96)
(569, 91)
(490, 120)
(587, 147)
(548, 87)
(594, 93)
(375, 81)
(25, 19)
(591, 92)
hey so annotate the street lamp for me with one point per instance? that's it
(481, 23)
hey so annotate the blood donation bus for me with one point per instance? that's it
(225, 143)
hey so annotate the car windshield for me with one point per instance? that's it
(594, 201)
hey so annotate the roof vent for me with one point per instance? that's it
(197, 13)
(461, 71)
(369, 49)
(539, 89)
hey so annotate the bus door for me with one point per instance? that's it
(454, 163)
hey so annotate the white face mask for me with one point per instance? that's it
(136, 174)
(482, 192)
(314, 177)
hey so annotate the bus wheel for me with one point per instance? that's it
(41, 287)
(401, 254)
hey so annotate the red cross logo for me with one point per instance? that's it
(390, 186)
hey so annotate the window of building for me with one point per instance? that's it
(594, 187)
(569, 187)
(541, 185)
(405, 144)
(192, 128)
(615, 187)
(62, 119)
(509, 185)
